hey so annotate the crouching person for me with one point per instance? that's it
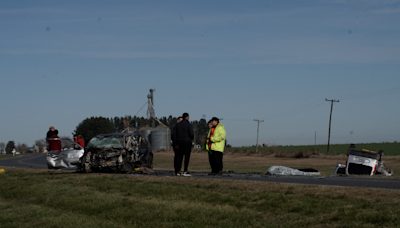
(216, 145)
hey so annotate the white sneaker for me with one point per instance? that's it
(186, 174)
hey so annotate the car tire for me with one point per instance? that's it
(84, 165)
(127, 167)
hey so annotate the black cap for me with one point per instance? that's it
(215, 119)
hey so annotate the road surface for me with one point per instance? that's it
(38, 161)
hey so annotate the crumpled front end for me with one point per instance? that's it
(64, 159)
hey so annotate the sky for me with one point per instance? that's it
(64, 61)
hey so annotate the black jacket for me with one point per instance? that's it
(183, 132)
(173, 136)
(50, 133)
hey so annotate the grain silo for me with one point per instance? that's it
(161, 139)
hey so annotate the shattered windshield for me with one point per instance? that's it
(106, 142)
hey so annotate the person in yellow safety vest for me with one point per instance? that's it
(215, 145)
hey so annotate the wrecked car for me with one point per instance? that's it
(117, 152)
(69, 158)
(363, 162)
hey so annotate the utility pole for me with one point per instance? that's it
(258, 127)
(330, 119)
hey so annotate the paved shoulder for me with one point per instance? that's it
(36, 161)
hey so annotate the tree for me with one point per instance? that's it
(21, 148)
(66, 142)
(118, 124)
(41, 143)
(2, 147)
(10, 146)
(93, 126)
(200, 129)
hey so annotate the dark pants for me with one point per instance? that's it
(211, 159)
(215, 159)
(176, 158)
(185, 149)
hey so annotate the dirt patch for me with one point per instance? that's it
(298, 154)
(249, 161)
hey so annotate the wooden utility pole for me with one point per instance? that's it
(330, 120)
(258, 127)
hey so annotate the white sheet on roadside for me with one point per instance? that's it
(286, 171)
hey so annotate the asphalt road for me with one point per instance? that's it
(38, 161)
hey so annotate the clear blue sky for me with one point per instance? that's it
(64, 61)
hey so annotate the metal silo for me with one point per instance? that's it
(160, 139)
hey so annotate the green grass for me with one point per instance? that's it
(4, 156)
(31, 198)
(389, 148)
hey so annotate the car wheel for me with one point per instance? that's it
(85, 163)
(128, 168)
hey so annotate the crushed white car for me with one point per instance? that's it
(65, 159)
(363, 162)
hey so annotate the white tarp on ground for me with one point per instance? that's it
(286, 171)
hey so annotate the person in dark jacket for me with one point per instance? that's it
(51, 132)
(53, 139)
(173, 136)
(183, 135)
(175, 145)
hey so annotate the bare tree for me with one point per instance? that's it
(22, 148)
(66, 142)
(41, 144)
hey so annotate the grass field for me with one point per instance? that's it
(389, 148)
(39, 198)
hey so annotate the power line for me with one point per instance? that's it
(370, 94)
(296, 111)
(238, 119)
(320, 103)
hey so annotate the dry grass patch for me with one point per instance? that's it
(255, 186)
(260, 162)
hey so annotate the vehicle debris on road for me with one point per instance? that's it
(286, 171)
